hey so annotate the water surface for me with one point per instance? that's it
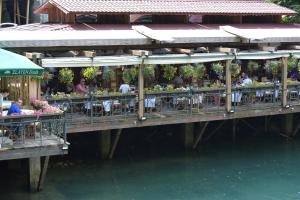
(256, 168)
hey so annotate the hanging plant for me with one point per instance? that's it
(291, 63)
(235, 69)
(187, 71)
(66, 76)
(90, 73)
(272, 66)
(200, 71)
(252, 66)
(108, 75)
(169, 72)
(133, 73)
(148, 72)
(218, 68)
(127, 76)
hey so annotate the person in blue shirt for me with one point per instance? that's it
(15, 108)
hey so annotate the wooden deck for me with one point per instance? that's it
(156, 119)
(48, 146)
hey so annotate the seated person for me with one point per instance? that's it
(15, 108)
(246, 81)
(81, 88)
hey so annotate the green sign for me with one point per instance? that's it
(21, 72)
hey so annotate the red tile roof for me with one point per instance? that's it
(219, 7)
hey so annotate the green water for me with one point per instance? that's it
(252, 169)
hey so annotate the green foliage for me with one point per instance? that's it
(90, 73)
(126, 76)
(169, 72)
(252, 66)
(108, 75)
(170, 88)
(235, 69)
(292, 4)
(148, 72)
(66, 76)
(187, 71)
(200, 71)
(133, 73)
(273, 66)
(291, 64)
(218, 68)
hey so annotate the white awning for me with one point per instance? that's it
(268, 34)
(164, 59)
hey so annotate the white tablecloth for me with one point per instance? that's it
(236, 97)
(150, 103)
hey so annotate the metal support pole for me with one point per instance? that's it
(228, 86)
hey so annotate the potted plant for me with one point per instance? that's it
(218, 68)
(291, 63)
(169, 72)
(108, 75)
(133, 73)
(126, 76)
(273, 66)
(252, 66)
(187, 71)
(200, 71)
(66, 76)
(149, 74)
(90, 73)
(235, 69)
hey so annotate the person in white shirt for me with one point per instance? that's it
(124, 88)
(246, 81)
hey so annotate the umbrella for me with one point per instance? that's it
(12, 64)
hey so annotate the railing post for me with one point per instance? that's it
(141, 92)
(284, 82)
(228, 86)
(65, 128)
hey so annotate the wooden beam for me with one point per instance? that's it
(296, 129)
(114, 146)
(198, 139)
(141, 92)
(184, 51)
(267, 48)
(18, 12)
(224, 49)
(140, 53)
(90, 54)
(15, 11)
(284, 82)
(43, 173)
(293, 47)
(215, 131)
(1, 5)
(234, 123)
(27, 11)
(228, 86)
(32, 55)
(34, 173)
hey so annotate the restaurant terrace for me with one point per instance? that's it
(111, 65)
